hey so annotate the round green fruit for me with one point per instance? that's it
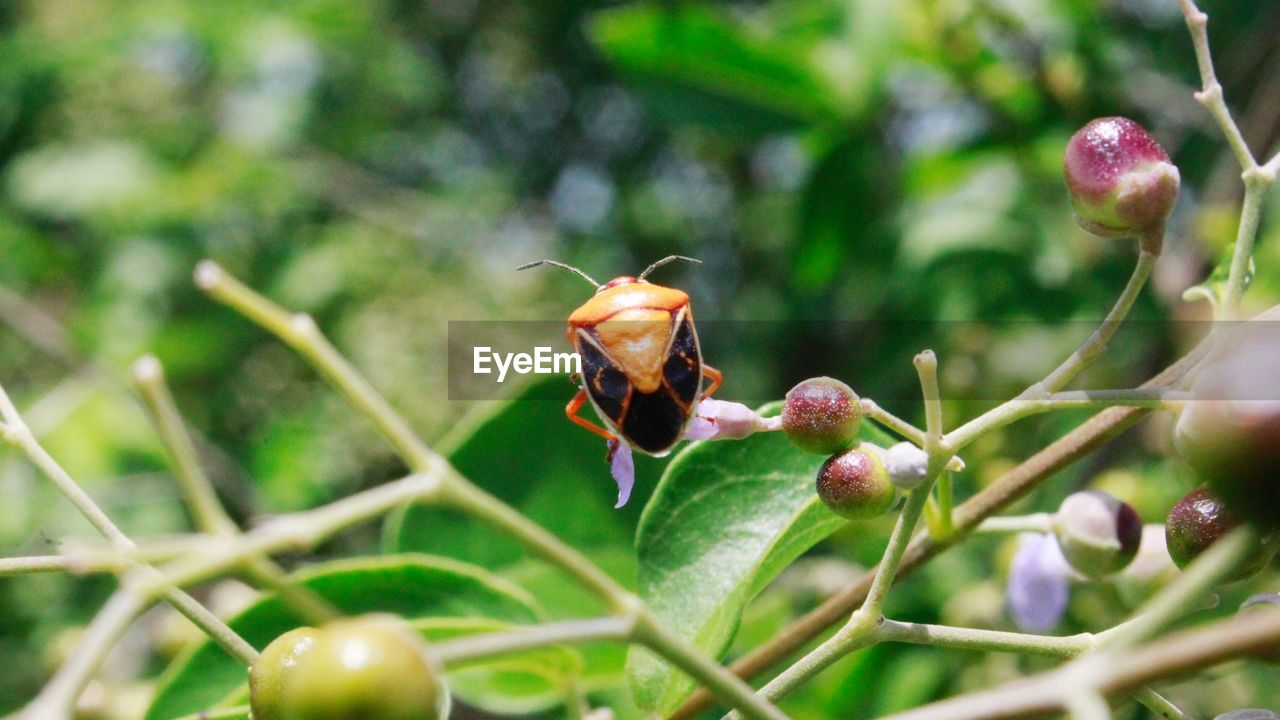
(367, 668)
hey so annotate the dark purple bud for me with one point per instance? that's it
(1199, 520)
(821, 415)
(1099, 534)
(1121, 181)
(855, 485)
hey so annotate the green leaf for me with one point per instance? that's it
(706, 68)
(525, 452)
(410, 586)
(1215, 286)
(726, 519)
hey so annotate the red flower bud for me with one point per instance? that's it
(855, 485)
(821, 415)
(1121, 181)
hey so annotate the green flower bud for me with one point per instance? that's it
(373, 668)
(855, 485)
(1099, 535)
(1121, 181)
(821, 415)
(1199, 520)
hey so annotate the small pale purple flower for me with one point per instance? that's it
(1038, 583)
(714, 420)
(723, 420)
(622, 465)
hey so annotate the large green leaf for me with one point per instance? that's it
(412, 586)
(727, 517)
(709, 69)
(525, 452)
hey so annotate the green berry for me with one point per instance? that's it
(1099, 535)
(821, 415)
(271, 671)
(855, 485)
(368, 668)
(1199, 520)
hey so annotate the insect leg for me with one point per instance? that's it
(715, 377)
(572, 411)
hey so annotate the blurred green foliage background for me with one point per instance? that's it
(385, 165)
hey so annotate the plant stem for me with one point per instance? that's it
(1171, 656)
(1088, 705)
(871, 409)
(299, 332)
(1208, 570)
(466, 649)
(34, 564)
(17, 433)
(715, 677)
(1159, 704)
(57, 699)
(1018, 408)
(990, 640)
(1257, 179)
(206, 510)
(298, 531)
(1035, 522)
(945, 503)
(862, 627)
(1097, 341)
(1117, 666)
(1211, 94)
(471, 499)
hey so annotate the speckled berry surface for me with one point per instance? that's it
(1199, 520)
(821, 415)
(855, 485)
(1121, 181)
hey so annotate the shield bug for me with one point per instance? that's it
(642, 367)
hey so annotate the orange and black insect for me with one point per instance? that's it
(642, 366)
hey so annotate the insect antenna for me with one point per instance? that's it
(664, 261)
(558, 264)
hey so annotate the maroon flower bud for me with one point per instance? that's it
(821, 415)
(1121, 181)
(1229, 431)
(1099, 534)
(1199, 520)
(855, 485)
